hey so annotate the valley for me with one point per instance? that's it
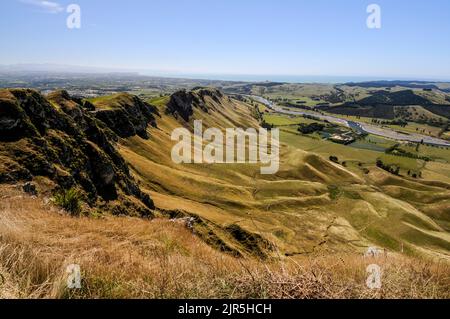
(358, 126)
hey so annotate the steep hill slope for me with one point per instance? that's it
(310, 205)
(59, 144)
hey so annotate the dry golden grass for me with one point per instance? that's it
(135, 258)
(309, 199)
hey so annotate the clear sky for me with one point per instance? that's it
(277, 37)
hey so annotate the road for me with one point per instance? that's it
(359, 126)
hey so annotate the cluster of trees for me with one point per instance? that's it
(294, 105)
(257, 113)
(280, 99)
(397, 151)
(311, 117)
(399, 122)
(393, 169)
(266, 125)
(388, 168)
(310, 128)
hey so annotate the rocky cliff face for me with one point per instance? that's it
(127, 116)
(65, 141)
(182, 103)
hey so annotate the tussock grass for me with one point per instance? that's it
(69, 200)
(135, 258)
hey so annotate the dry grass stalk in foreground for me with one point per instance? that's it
(135, 258)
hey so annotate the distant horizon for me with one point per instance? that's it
(284, 78)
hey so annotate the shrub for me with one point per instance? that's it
(334, 191)
(69, 200)
(334, 159)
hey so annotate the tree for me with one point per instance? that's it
(380, 163)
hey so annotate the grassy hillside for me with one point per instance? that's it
(225, 230)
(310, 205)
(123, 257)
(412, 105)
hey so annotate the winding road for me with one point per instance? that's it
(359, 126)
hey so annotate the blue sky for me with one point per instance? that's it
(277, 37)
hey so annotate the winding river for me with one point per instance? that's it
(359, 126)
